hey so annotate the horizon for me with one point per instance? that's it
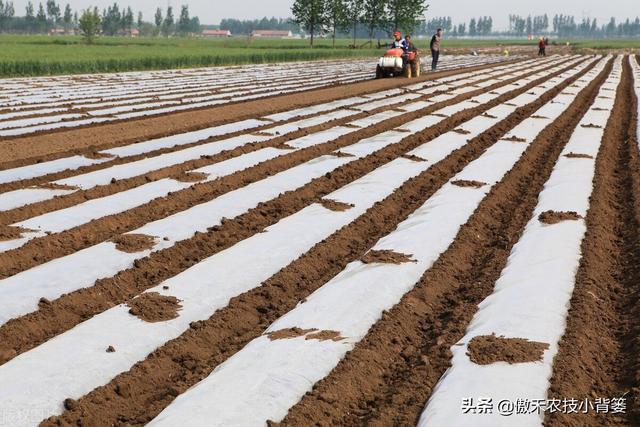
(257, 9)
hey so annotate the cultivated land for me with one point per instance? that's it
(297, 244)
(46, 55)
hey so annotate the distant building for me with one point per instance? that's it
(216, 33)
(272, 34)
(133, 32)
(59, 32)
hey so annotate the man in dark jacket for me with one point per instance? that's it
(435, 49)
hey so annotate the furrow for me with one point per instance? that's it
(16, 341)
(166, 354)
(598, 354)
(389, 375)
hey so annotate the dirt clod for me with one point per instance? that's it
(190, 176)
(553, 217)
(414, 158)
(469, 183)
(309, 334)
(325, 336)
(8, 232)
(462, 131)
(96, 155)
(514, 139)
(132, 243)
(488, 349)
(386, 257)
(54, 186)
(336, 206)
(284, 334)
(573, 155)
(70, 404)
(153, 307)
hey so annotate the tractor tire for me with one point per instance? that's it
(379, 72)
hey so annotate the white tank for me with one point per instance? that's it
(390, 62)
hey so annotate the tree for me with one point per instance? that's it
(140, 20)
(611, 27)
(310, 15)
(194, 26)
(472, 27)
(89, 24)
(158, 18)
(53, 11)
(168, 23)
(374, 16)
(126, 21)
(30, 18)
(67, 17)
(404, 14)
(336, 18)
(112, 20)
(41, 19)
(354, 10)
(6, 14)
(184, 21)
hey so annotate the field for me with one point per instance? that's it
(44, 55)
(300, 244)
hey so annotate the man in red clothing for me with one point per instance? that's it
(542, 47)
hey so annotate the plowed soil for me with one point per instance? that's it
(390, 374)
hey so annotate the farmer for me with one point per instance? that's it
(410, 46)
(435, 49)
(542, 47)
(413, 64)
(398, 41)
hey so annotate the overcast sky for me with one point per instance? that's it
(211, 11)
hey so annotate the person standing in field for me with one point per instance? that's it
(435, 49)
(542, 51)
(413, 64)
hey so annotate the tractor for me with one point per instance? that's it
(396, 62)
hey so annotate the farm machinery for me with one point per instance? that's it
(396, 62)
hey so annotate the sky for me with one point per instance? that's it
(212, 11)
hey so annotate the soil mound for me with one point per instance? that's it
(386, 257)
(488, 349)
(467, 183)
(336, 206)
(131, 243)
(553, 217)
(153, 307)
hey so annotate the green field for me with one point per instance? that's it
(42, 55)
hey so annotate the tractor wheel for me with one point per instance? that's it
(379, 73)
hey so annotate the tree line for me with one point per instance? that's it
(322, 17)
(245, 27)
(110, 21)
(564, 26)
